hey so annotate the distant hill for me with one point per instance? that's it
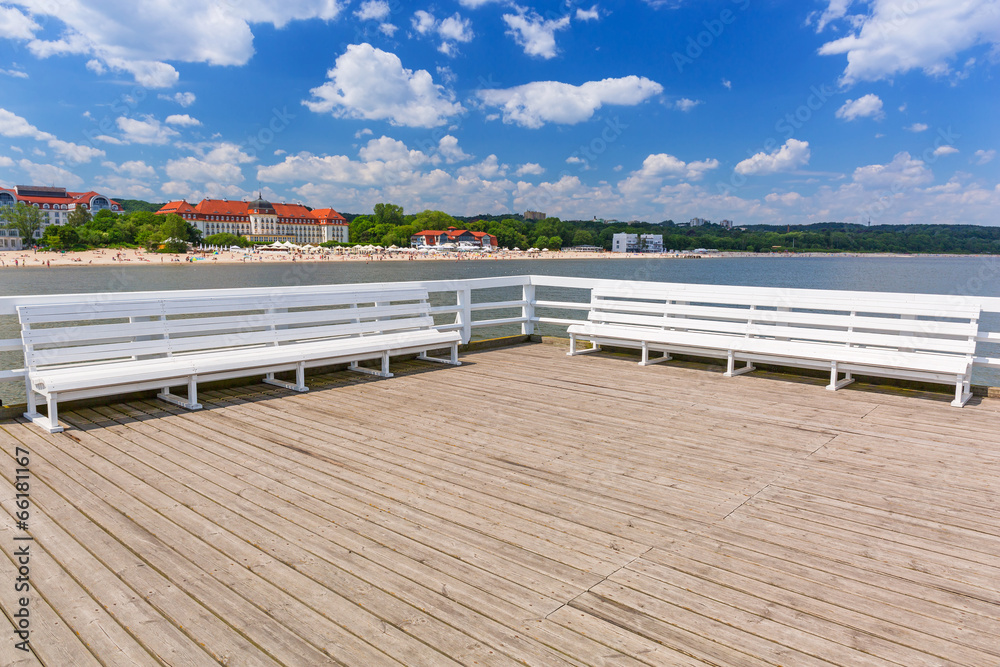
(131, 205)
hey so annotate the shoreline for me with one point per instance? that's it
(133, 257)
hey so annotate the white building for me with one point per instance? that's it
(261, 221)
(637, 243)
(55, 205)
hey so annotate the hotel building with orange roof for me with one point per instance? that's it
(260, 221)
(55, 205)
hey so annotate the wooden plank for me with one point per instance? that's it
(133, 611)
(335, 575)
(185, 595)
(58, 600)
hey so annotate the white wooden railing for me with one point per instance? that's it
(509, 304)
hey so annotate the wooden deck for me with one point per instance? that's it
(523, 508)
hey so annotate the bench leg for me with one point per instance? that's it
(963, 392)
(299, 384)
(190, 403)
(48, 422)
(732, 371)
(384, 373)
(646, 360)
(573, 351)
(836, 384)
(453, 360)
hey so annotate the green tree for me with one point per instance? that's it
(68, 237)
(434, 220)
(26, 219)
(583, 237)
(359, 227)
(388, 214)
(78, 217)
(554, 243)
(226, 239)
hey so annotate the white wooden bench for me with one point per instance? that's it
(929, 338)
(87, 348)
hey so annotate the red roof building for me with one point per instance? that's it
(55, 204)
(261, 221)
(431, 238)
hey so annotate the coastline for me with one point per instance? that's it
(133, 257)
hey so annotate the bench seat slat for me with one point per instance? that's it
(234, 339)
(790, 349)
(917, 304)
(890, 321)
(176, 305)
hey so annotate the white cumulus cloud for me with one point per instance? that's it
(945, 150)
(372, 84)
(984, 156)
(889, 37)
(373, 10)
(12, 125)
(132, 169)
(534, 33)
(685, 104)
(534, 104)
(147, 130)
(591, 14)
(142, 37)
(184, 99)
(50, 173)
(451, 30)
(917, 127)
(869, 106)
(213, 164)
(529, 169)
(182, 120)
(658, 167)
(793, 154)
(14, 24)
(903, 172)
(449, 149)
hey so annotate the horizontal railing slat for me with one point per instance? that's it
(563, 305)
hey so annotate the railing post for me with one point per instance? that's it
(464, 314)
(528, 309)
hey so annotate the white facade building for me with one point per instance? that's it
(261, 221)
(637, 243)
(55, 205)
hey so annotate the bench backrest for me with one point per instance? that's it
(94, 332)
(863, 319)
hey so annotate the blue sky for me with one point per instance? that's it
(759, 111)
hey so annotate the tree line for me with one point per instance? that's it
(388, 225)
(103, 229)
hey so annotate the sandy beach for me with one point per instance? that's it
(12, 259)
(111, 256)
